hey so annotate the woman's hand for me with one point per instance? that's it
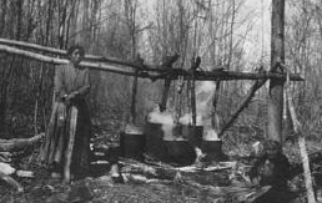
(68, 98)
(72, 96)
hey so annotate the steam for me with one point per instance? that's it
(165, 119)
(204, 93)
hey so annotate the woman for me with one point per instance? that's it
(71, 86)
(273, 169)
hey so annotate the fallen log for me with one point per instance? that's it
(18, 143)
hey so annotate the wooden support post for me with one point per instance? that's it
(193, 95)
(194, 65)
(214, 118)
(165, 94)
(133, 100)
(167, 63)
(275, 96)
(70, 145)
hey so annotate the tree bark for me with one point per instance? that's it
(3, 17)
(275, 96)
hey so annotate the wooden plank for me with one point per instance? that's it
(70, 145)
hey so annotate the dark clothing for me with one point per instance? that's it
(274, 172)
(69, 79)
(275, 195)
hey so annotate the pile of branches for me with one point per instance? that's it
(9, 150)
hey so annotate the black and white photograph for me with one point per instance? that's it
(160, 101)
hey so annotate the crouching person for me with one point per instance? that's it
(71, 86)
(273, 169)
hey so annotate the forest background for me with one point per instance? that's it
(234, 34)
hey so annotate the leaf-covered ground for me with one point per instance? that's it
(100, 188)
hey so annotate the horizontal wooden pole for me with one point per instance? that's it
(233, 75)
(124, 70)
(63, 53)
(128, 68)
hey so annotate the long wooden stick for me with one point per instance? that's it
(165, 93)
(193, 96)
(297, 126)
(70, 146)
(214, 118)
(243, 105)
(49, 131)
(152, 72)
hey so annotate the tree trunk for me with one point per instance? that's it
(275, 97)
(3, 17)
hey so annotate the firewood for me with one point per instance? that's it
(25, 174)
(7, 169)
(70, 146)
(18, 143)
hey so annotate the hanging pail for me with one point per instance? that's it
(154, 140)
(132, 145)
(181, 151)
